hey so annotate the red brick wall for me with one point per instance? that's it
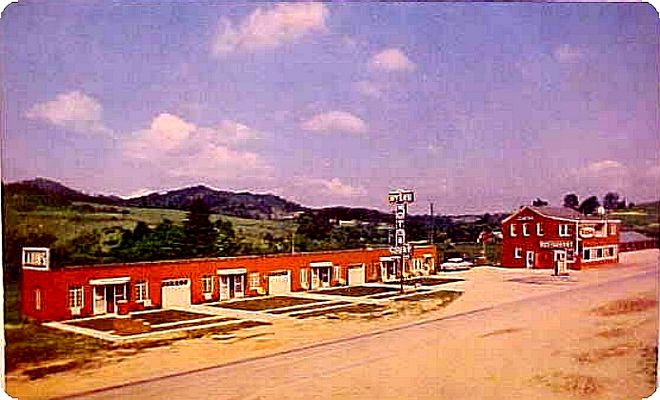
(54, 284)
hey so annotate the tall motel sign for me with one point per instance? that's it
(399, 200)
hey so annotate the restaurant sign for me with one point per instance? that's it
(559, 244)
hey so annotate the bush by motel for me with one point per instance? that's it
(89, 290)
(558, 238)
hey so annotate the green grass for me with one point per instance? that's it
(642, 218)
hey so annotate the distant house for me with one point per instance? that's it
(347, 223)
(560, 238)
(631, 241)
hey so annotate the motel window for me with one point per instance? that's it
(141, 291)
(599, 252)
(517, 253)
(612, 229)
(37, 299)
(207, 284)
(586, 254)
(337, 272)
(303, 278)
(255, 282)
(75, 296)
(563, 230)
(539, 229)
(512, 230)
(525, 231)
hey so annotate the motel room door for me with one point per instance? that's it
(321, 277)
(100, 306)
(225, 293)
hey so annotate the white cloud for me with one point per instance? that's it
(602, 168)
(335, 121)
(73, 110)
(270, 27)
(391, 59)
(335, 187)
(182, 149)
(567, 53)
(369, 89)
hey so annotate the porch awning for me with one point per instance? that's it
(320, 264)
(389, 258)
(110, 281)
(232, 271)
(428, 255)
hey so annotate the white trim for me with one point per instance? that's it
(232, 271)
(144, 298)
(320, 264)
(389, 258)
(512, 229)
(517, 252)
(539, 229)
(207, 280)
(110, 281)
(254, 277)
(563, 232)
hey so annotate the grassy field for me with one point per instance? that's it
(642, 218)
(69, 223)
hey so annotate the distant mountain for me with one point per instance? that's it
(41, 191)
(51, 192)
(243, 204)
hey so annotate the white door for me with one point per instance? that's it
(279, 283)
(224, 287)
(315, 278)
(560, 261)
(100, 305)
(239, 285)
(175, 293)
(356, 275)
(324, 276)
(529, 261)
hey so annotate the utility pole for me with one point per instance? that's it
(293, 240)
(432, 239)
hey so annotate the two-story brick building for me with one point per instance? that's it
(559, 238)
(58, 294)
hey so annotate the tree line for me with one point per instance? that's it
(611, 201)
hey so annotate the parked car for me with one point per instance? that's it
(455, 264)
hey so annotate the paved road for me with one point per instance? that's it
(430, 359)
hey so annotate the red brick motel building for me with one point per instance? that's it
(561, 238)
(81, 291)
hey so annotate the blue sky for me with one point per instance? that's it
(477, 106)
